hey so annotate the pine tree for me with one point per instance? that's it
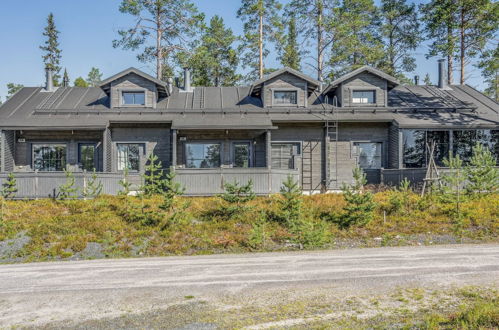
(291, 202)
(125, 184)
(489, 64)
(65, 78)
(215, 60)
(427, 80)
(235, 197)
(262, 24)
(52, 57)
(357, 39)
(93, 187)
(154, 178)
(172, 190)
(68, 190)
(400, 30)
(80, 82)
(360, 204)
(9, 187)
(162, 28)
(290, 52)
(481, 173)
(13, 88)
(94, 77)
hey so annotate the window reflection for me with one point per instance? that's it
(242, 154)
(369, 155)
(202, 155)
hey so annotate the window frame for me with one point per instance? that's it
(360, 90)
(142, 155)
(220, 152)
(233, 152)
(294, 90)
(46, 144)
(96, 154)
(136, 90)
(299, 153)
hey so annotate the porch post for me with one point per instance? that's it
(104, 150)
(174, 148)
(268, 149)
(2, 152)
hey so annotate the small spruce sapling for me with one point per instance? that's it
(68, 190)
(9, 187)
(481, 174)
(453, 186)
(93, 187)
(125, 184)
(291, 201)
(360, 204)
(235, 197)
(154, 178)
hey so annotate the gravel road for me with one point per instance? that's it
(40, 293)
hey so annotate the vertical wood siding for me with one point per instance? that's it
(133, 82)
(285, 81)
(364, 81)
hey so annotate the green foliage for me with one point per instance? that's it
(360, 204)
(154, 177)
(125, 184)
(52, 56)
(234, 199)
(427, 80)
(481, 174)
(161, 28)
(93, 186)
(309, 233)
(172, 190)
(9, 187)
(68, 190)
(12, 89)
(80, 82)
(215, 60)
(258, 234)
(65, 78)
(290, 55)
(489, 64)
(291, 202)
(94, 77)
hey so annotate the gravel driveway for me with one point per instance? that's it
(40, 293)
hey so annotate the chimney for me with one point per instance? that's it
(416, 80)
(169, 84)
(442, 79)
(49, 82)
(187, 80)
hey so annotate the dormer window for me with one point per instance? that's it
(363, 97)
(133, 98)
(285, 97)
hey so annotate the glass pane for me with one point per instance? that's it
(282, 155)
(463, 144)
(414, 148)
(87, 157)
(241, 154)
(140, 98)
(441, 139)
(363, 97)
(49, 157)
(202, 155)
(129, 157)
(134, 98)
(369, 155)
(285, 97)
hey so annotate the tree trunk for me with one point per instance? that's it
(462, 55)
(159, 50)
(260, 46)
(320, 57)
(450, 64)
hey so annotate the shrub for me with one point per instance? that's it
(360, 204)
(93, 187)
(154, 178)
(9, 187)
(290, 203)
(235, 199)
(309, 233)
(125, 184)
(257, 235)
(481, 174)
(68, 190)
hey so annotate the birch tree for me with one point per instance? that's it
(262, 25)
(52, 52)
(161, 29)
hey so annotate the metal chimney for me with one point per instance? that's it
(169, 85)
(187, 80)
(49, 82)
(416, 80)
(442, 79)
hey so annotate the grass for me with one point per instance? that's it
(125, 227)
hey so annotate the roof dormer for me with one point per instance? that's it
(284, 88)
(133, 88)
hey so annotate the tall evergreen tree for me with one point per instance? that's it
(400, 30)
(215, 61)
(65, 78)
(427, 80)
(94, 77)
(489, 64)
(13, 88)
(262, 24)
(440, 18)
(52, 56)
(162, 28)
(290, 53)
(314, 19)
(357, 40)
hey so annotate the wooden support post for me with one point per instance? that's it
(104, 150)
(268, 154)
(174, 149)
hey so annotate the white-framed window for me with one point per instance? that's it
(241, 154)
(129, 156)
(369, 154)
(202, 155)
(285, 97)
(49, 157)
(133, 97)
(283, 154)
(363, 97)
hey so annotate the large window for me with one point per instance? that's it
(129, 156)
(49, 157)
(442, 146)
(464, 140)
(241, 154)
(369, 155)
(134, 98)
(285, 97)
(87, 156)
(283, 155)
(414, 148)
(202, 155)
(363, 97)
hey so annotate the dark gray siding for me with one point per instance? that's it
(364, 81)
(285, 81)
(133, 82)
(394, 152)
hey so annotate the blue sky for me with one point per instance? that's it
(87, 30)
